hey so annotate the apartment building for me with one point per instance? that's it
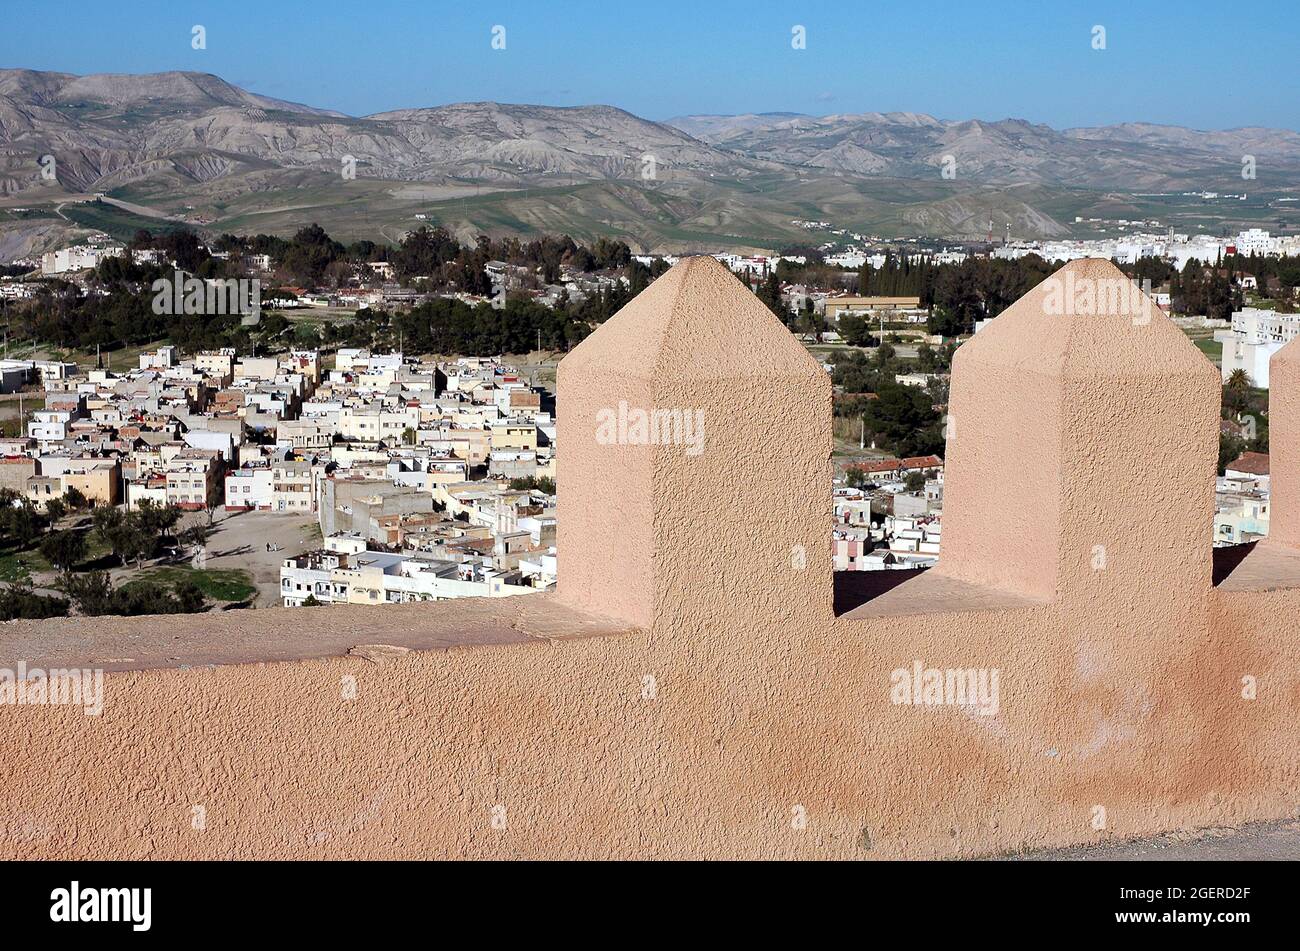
(78, 258)
(513, 434)
(331, 577)
(892, 308)
(40, 489)
(249, 487)
(15, 470)
(1241, 511)
(193, 479)
(99, 480)
(294, 486)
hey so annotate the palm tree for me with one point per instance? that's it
(1238, 387)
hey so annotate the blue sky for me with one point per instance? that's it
(1206, 65)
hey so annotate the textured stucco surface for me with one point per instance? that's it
(710, 704)
(1284, 446)
(1082, 432)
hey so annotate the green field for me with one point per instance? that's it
(125, 358)
(1211, 348)
(217, 584)
(18, 566)
(21, 565)
(689, 211)
(114, 221)
(38, 213)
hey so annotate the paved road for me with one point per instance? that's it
(1268, 841)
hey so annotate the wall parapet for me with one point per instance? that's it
(689, 691)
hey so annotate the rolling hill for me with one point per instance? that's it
(190, 147)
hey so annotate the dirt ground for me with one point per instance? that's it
(240, 539)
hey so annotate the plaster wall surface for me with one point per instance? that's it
(1284, 447)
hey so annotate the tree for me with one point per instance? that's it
(95, 595)
(808, 321)
(769, 292)
(189, 596)
(1230, 447)
(527, 483)
(64, 550)
(55, 509)
(197, 534)
(106, 524)
(123, 534)
(134, 543)
(155, 519)
(926, 359)
(904, 419)
(20, 523)
(1237, 390)
(856, 330)
(91, 592)
(958, 300)
(75, 499)
(19, 601)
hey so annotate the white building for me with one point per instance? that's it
(1256, 241)
(373, 577)
(249, 488)
(78, 258)
(1255, 336)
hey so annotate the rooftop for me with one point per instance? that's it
(1254, 463)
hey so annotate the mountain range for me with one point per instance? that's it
(192, 147)
(1131, 156)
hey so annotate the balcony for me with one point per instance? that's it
(697, 686)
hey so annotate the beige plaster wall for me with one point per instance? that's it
(1284, 446)
(742, 726)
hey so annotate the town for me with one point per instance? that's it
(337, 467)
(422, 480)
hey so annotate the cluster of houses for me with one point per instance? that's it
(1177, 248)
(414, 502)
(881, 523)
(1241, 498)
(405, 464)
(372, 284)
(83, 257)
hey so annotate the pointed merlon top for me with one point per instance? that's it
(1287, 357)
(1087, 320)
(696, 321)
